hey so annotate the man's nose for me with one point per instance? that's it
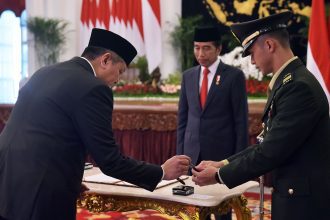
(200, 53)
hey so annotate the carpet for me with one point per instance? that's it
(253, 205)
(83, 214)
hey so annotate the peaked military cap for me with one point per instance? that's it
(114, 42)
(248, 32)
(206, 34)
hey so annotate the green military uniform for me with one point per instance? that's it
(296, 148)
(296, 143)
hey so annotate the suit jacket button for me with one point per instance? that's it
(290, 191)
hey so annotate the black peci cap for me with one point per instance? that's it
(248, 32)
(114, 42)
(206, 34)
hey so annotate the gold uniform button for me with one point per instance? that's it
(290, 191)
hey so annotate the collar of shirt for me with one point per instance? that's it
(272, 81)
(90, 65)
(213, 69)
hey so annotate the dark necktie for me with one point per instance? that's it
(203, 94)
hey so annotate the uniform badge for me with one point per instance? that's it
(217, 80)
(287, 78)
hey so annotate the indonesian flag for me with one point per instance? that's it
(318, 49)
(138, 21)
(152, 32)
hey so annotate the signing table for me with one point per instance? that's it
(208, 199)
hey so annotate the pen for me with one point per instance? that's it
(193, 167)
(181, 181)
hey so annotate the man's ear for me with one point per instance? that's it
(220, 48)
(106, 58)
(270, 45)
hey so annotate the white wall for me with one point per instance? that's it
(59, 9)
(69, 10)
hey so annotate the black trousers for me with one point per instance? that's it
(2, 218)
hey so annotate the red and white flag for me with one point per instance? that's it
(152, 32)
(136, 20)
(318, 49)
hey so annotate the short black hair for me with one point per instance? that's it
(282, 35)
(91, 53)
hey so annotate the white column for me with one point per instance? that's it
(170, 14)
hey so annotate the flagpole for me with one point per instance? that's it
(260, 139)
(261, 205)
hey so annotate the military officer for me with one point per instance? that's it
(296, 140)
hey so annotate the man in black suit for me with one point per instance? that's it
(63, 113)
(213, 125)
(296, 136)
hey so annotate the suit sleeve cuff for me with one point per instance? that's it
(163, 174)
(218, 177)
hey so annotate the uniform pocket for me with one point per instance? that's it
(292, 187)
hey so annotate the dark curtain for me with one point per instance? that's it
(147, 145)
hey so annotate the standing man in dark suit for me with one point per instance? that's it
(296, 136)
(63, 113)
(212, 116)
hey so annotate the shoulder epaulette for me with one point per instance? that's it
(287, 78)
